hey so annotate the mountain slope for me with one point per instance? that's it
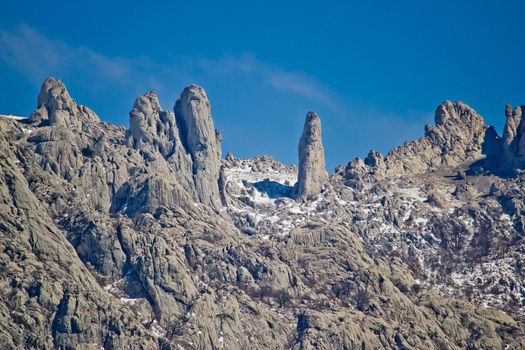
(143, 238)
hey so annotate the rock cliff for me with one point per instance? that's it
(56, 107)
(513, 152)
(120, 238)
(201, 141)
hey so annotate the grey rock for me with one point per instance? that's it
(102, 244)
(149, 124)
(202, 141)
(513, 119)
(457, 137)
(55, 106)
(312, 171)
(154, 130)
(511, 155)
(49, 298)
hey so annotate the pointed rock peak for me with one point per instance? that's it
(457, 112)
(508, 111)
(196, 91)
(55, 105)
(310, 116)
(312, 171)
(374, 159)
(513, 113)
(151, 126)
(512, 125)
(147, 103)
(312, 127)
(517, 112)
(53, 91)
(149, 99)
(193, 113)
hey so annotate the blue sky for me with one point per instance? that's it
(374, 71)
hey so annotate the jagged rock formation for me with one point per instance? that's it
(49, 298)
(150, 125)
(155, 134)
(56, 107)
(312, 171)
(513, 147)
(202, 142)
(457, 137)
(111, 238)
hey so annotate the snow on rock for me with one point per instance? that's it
(260, 192)
(393, 217)
(10, 116)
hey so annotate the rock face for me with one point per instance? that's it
(56, 107)
(202, 141)
(149, 124)
(111, 238)
(49, 298)
(312, 171)
(154, 133)
(457, 137)
(513, 147)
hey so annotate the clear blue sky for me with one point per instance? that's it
(374, 71)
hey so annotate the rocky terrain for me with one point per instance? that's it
(145, 238)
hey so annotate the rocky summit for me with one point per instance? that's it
(145, 238)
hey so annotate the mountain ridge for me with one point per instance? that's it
(161, 244)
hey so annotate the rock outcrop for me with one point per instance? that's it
(202, 142)
(49, 298)
(513, 146)
(457, 137)
(150, 125)
(154, 133)
(157, 162)
(111, 238)
(56, 107)
(312, 171)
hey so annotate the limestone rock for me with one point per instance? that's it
(55, 106)
(202, 142)
(49, 298)
(149, 124)
(154, 131)
(457, 137)
(511, 155)
(513, 119)
(102, 243)
(312, 171)
(147, 193)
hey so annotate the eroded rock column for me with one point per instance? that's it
(202, 142)
(312, 170)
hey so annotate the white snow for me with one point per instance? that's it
(11, 116)
(129, 301)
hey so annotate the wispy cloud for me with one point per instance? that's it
(298, 83)
(37, 56)
(354, 128)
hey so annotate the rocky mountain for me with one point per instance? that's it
(144, 238)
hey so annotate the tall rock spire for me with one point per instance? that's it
(513, 119)
(312, 171)
(202, 142)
